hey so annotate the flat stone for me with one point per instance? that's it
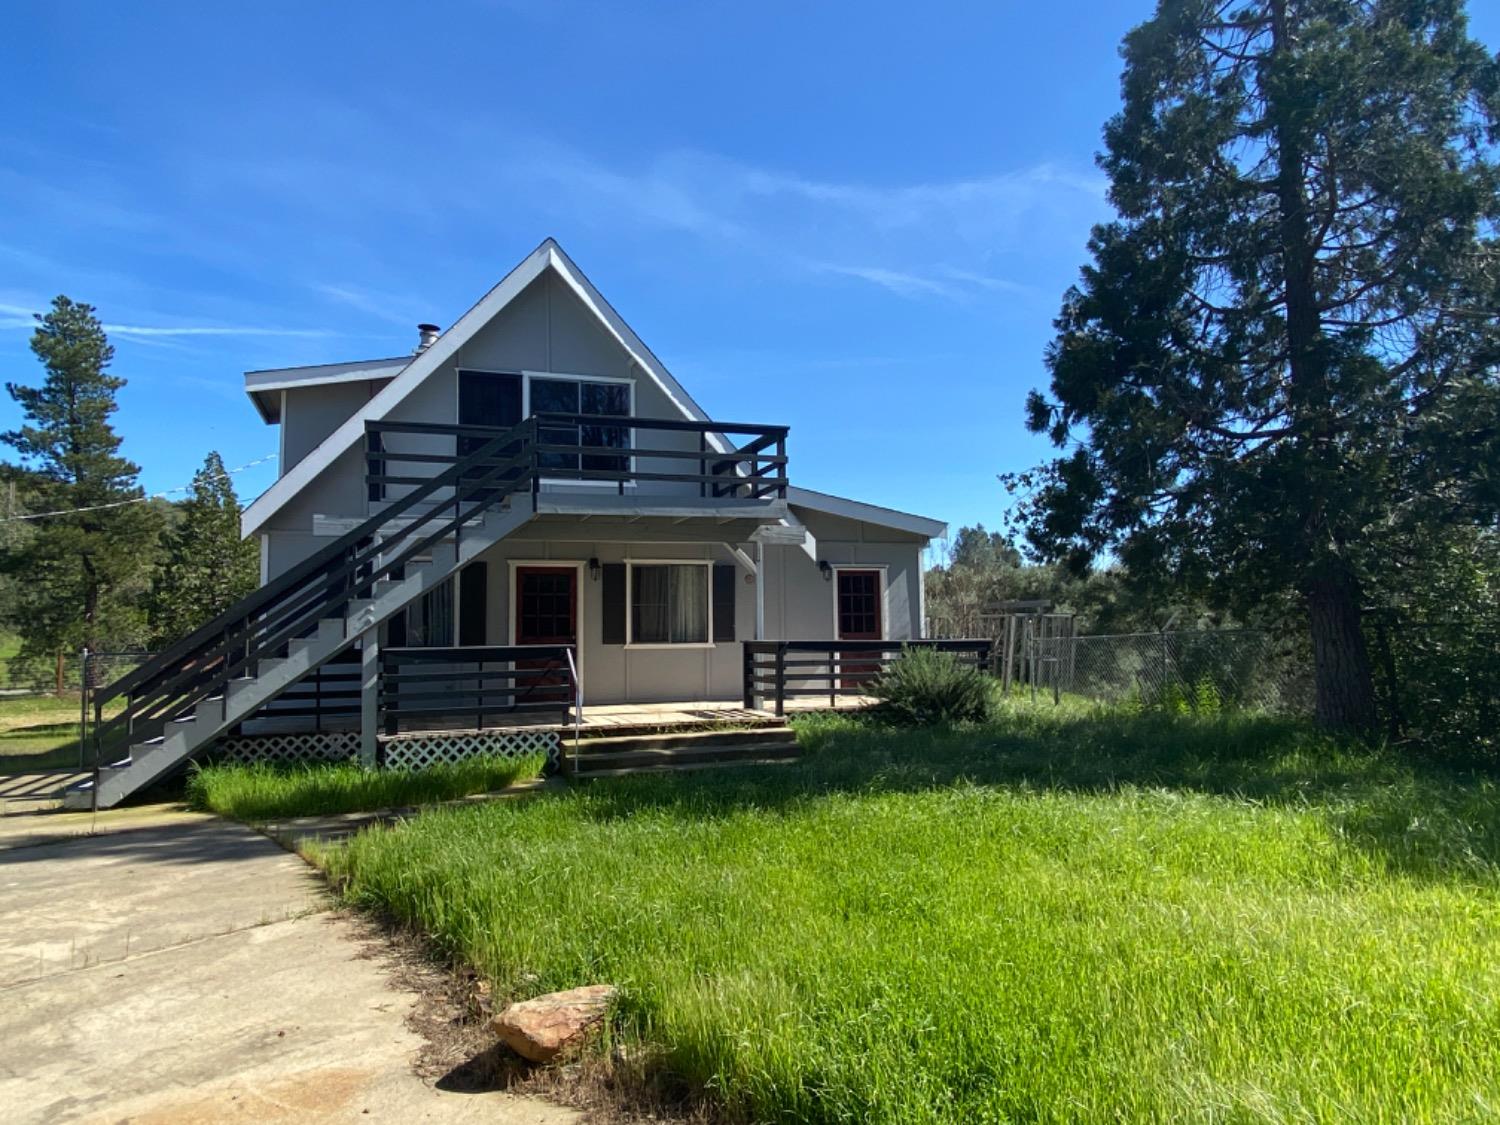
(541, 1028)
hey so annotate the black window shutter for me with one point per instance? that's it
(473, 607)
(395, 629)
(724, 575)
(613, 597)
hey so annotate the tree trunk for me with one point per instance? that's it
(1341, 662)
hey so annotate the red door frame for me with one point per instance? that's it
(859, 668)
(521, 573)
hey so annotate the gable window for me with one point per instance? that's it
(582, 396)
(669, 604)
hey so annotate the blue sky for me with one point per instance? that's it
(857, 219)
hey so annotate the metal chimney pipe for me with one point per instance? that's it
(427, 334)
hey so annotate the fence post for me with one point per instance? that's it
(85, 660)
(781, 679)
(369, 696)
(747, 676)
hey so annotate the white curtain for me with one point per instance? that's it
(669, 605)
(689, 605)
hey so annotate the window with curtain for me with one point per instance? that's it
(429, 620)
(669, 604)
(581, 396)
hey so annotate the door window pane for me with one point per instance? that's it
(669, 605)
(859, 604)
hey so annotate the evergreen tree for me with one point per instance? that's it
(1284, 347)
(80, 574)
(208, 566)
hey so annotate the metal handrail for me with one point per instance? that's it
(577, 705)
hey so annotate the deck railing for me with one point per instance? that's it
(467, 686)
(626, 452)
(776, 671)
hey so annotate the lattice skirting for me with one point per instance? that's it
(402, 752)
(419, 750)
(325, 746)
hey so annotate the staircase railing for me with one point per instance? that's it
(260, 626)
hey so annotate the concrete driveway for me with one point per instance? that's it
(171, 967)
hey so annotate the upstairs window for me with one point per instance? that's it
(583, 396)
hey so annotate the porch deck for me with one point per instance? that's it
(622, 718)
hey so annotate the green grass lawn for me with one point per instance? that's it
(1064, 915)
(263, 792)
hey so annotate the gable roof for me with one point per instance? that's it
(549, 255)
(867, 513)
(265, 387)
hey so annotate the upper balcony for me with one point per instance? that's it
(584, 462)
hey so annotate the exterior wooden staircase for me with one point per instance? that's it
(196, 690)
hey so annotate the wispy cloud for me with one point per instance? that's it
(21, 316)
(947, 282)
(881, 234)
(388, 307)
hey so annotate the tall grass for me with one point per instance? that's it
(264, 792)
(1060, 916)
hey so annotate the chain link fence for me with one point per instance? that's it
(1197, 671)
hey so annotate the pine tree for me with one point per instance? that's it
(81, 574)
(208, 567)
(1283, 349)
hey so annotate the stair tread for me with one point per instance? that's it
(691, 748)
(693, 736)
(732, 753)
(673, 767)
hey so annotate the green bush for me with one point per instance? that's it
(930, 686)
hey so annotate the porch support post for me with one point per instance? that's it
(369, 696)
(760, 591)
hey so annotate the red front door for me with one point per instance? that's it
(546, 614)
(859, 618)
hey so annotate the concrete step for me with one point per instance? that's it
(682, 767)
(667, 726)
(628, 761)
(770, 734)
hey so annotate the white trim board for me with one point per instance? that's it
(444, 350)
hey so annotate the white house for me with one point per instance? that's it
(527, 512)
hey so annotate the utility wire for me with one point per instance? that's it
(137, 499)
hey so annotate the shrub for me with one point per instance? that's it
(930, 686)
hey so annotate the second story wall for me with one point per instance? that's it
(545, 329)
(310, 414)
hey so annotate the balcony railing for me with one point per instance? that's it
(476, 686)
(651, 454)
(775, 671)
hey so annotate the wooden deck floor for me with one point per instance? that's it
(601, 718)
